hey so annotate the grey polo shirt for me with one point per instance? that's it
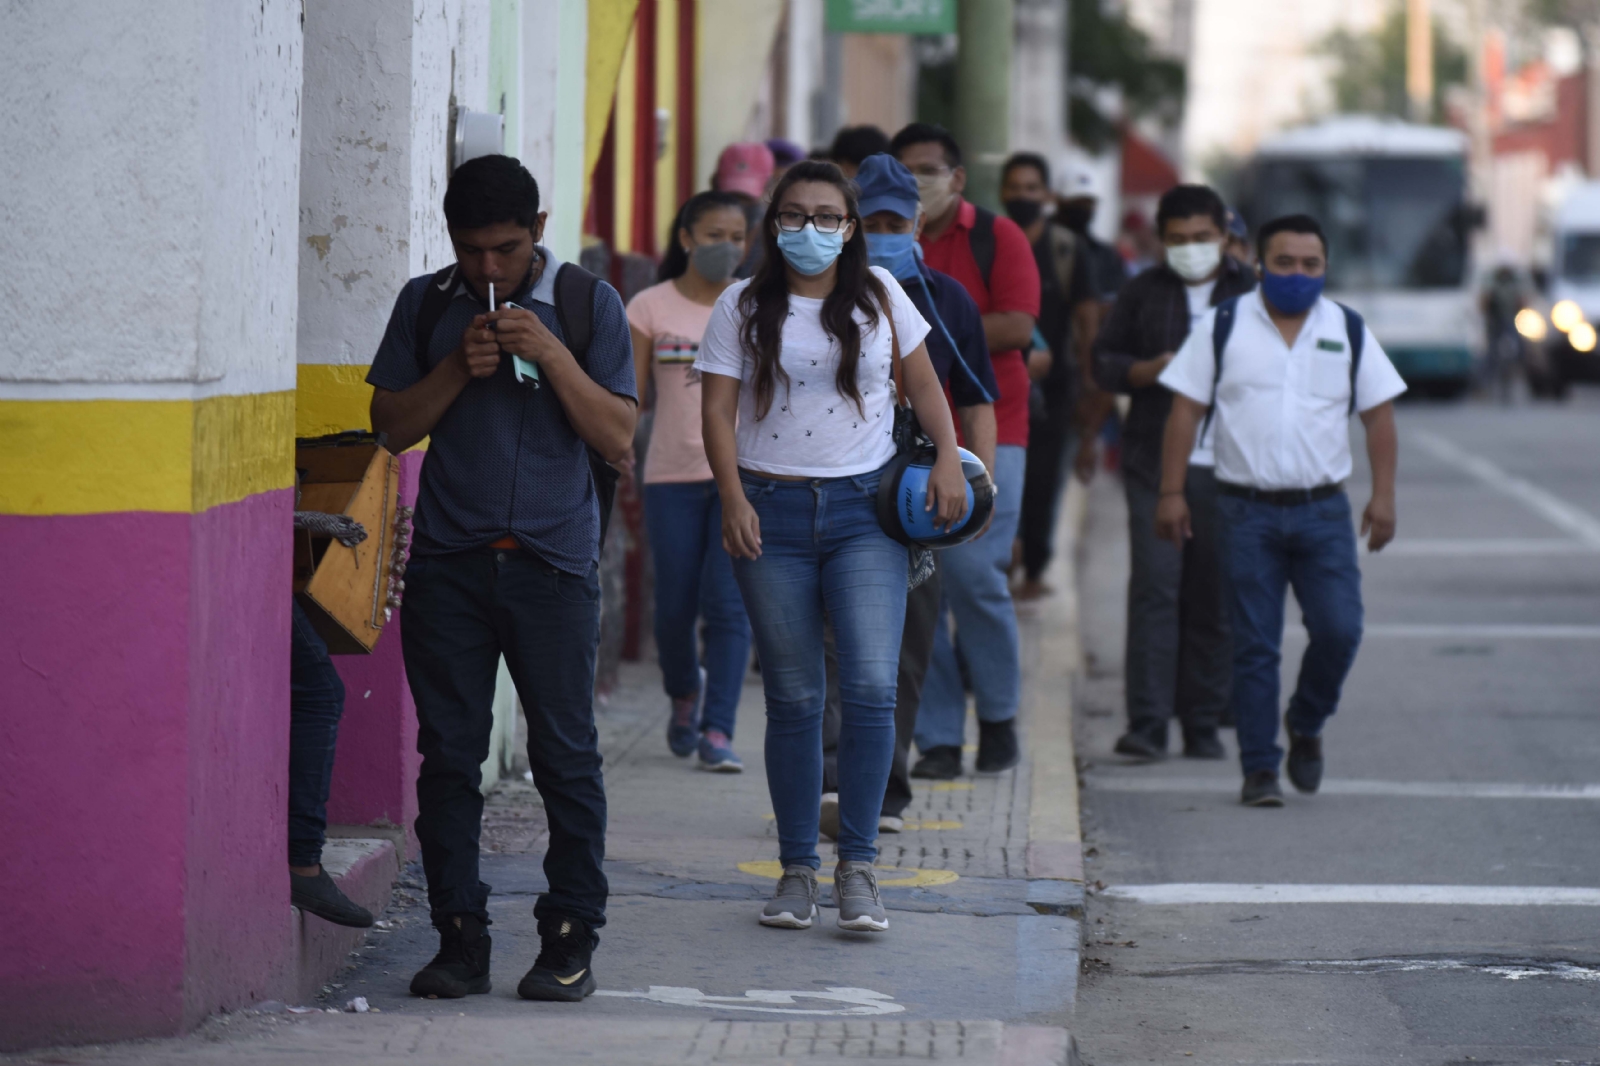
(504, 459)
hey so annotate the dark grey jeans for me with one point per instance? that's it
(916, 651)
(1179, 655)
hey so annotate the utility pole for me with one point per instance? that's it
(985, 29)
(1419, 60)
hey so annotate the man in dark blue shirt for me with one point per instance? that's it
(506, 555)
(891, 217)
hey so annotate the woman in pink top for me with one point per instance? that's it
(682, 509)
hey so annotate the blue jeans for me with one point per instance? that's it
(694, 580)
(823, 553)
(978, 594)
(1310, 547)
(316, 703)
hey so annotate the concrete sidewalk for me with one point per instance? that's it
(980, 962)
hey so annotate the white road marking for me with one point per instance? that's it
(1572, 520)
(1438, 895)
(1492, 631)
(1471, 547)
(1356, 787)
(1512, 969)
(850, 1002)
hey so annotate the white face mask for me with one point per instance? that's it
(1195, 262)
(935, 193)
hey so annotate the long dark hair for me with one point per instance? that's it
(764, 304)
(675, 261)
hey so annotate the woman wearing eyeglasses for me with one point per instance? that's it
(797, 404)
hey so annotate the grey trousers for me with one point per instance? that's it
(1179, 655)
(916, 651)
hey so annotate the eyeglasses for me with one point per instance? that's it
(795, 221)
(932, 170)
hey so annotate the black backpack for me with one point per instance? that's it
(1355, 329)
(980, 238)
(575, 288)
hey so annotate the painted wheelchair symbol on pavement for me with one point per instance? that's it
(848, 1002)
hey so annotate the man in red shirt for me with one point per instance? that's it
(991, 258)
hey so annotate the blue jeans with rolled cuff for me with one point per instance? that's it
(694, 580)
(824, 554)
(1269, 549)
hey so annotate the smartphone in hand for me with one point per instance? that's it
(525, 372)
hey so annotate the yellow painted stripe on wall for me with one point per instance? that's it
(610, 26)
(97, 456)
(331, 399)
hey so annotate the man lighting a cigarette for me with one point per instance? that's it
(514, 490)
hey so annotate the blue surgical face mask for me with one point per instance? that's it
(808, 251)
(895, 252)
(1293, 294)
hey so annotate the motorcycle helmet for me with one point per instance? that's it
(903, 498)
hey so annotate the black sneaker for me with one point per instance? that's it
(939, 764)
(1140, 746)
(1205, 745)
(1261, 789)
(462, 966)
(997, 747)
(320, 896)
(1305, 760)
(562, 971)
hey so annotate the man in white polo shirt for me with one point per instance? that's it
(1281, 370)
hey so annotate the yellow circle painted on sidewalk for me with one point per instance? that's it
(888, 876)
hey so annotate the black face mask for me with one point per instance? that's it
(1024, 212)
(1076, 217)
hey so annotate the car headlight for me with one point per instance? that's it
(1530, 324)
(1582, 337)
(1566, 316)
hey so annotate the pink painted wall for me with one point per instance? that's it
(375, 771)
(143, 760)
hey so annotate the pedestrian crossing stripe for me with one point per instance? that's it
(888, 876)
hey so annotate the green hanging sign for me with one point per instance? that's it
(892, 16)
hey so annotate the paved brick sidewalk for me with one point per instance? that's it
(980, 963)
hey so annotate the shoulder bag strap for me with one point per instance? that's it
(1221, 330)
(1355, 328)
(436, 297)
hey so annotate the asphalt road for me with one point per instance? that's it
(1437, 903)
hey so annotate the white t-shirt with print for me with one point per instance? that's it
(811, 430)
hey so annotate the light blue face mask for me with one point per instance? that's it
(808, 251)
(895, 252)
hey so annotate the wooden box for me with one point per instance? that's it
(345, 591)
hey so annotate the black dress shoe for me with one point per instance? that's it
(939, 764)
(1204, 746)
(1261, 789)
(1140, 746)
(997, 747)
(320, 896)
(462, 966)
(1305, 760)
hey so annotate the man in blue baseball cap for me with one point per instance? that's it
(891, 216)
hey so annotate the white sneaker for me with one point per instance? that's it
(828, 821)
(891, 823)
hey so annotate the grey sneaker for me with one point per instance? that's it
(855, 892)
(794, 904)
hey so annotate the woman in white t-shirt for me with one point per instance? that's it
(682, 513)
(798, 420)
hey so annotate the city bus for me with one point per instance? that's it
(1393, 199)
